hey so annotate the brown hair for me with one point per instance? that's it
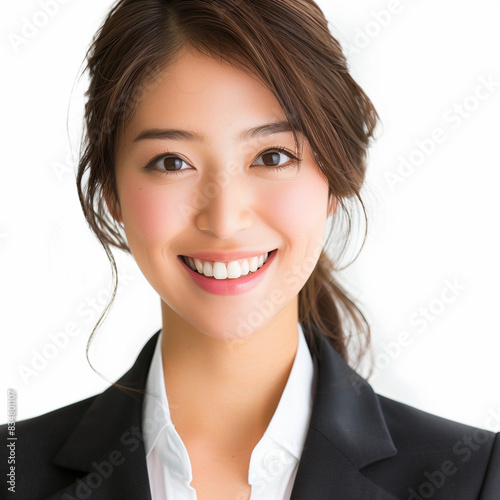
(288, 46)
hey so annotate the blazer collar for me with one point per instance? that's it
(347, 411)
(347, 432)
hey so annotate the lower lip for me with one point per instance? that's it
(231, 286)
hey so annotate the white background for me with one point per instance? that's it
(440, 224)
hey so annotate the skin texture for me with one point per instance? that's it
(225, 365)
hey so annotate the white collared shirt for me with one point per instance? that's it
(274, 460)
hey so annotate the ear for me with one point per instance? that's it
(332, 205)
(113, 204)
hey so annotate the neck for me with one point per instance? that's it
(226, 388)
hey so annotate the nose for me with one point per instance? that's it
(227, 206)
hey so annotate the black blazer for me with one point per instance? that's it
(359, 446)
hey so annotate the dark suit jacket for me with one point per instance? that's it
(359, 446)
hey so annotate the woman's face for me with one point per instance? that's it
(199, 175)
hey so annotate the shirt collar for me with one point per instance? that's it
(155, 413)
(289, 424)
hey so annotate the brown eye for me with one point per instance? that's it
(271, 159)
(171, 163)
(168, 164)
(277, 158)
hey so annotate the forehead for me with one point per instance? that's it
(198, 92)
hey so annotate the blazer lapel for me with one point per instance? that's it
(107, 448)
(347, 432)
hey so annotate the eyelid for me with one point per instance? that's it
(281, 149)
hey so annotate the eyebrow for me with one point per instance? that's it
(177, 134)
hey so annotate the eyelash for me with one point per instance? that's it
(280, 149)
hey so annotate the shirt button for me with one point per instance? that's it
(274, 461)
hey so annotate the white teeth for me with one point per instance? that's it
(199, 265)
(254, 264)
(207, 269)
(231, 270)
(220, 271)
(245, 268)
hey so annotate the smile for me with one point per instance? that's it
(225, 281)
(230, 270)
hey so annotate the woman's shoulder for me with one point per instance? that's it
(407, 419)
(94, 416)
(441, 451)
(410, 426)
(48, 431)
(33, 445)
(350, 401)
(63, 417)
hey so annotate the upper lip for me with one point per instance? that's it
(227, 256)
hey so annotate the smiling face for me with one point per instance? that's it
(206, 170)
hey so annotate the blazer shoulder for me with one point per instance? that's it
(447, 456)
(38, 440)
(411, 421)
(50, 429)
(54, 450)
(414, 429)
(52, 423)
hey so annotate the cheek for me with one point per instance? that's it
(299, 208)
(149, 214)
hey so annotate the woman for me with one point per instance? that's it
(221, 138)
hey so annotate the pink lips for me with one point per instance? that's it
(229, 286)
